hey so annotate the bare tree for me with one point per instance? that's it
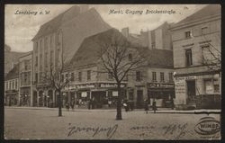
(212, 55)
(118, 58)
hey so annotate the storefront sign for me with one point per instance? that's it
(110, 85)
(160, 85)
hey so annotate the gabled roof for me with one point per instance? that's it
(14, 73)
(88, 52)
(55, 23)
(208, 11)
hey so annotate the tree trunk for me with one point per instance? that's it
(119, 110)
(60, 103)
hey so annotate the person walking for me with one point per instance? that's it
(146, 106)
(72, 105)
(67, 106)
(154, 106)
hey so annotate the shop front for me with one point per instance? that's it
(93, 95)
(11, 97)
(202, 90)
(162, 93)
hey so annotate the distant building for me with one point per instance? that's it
(197, 58)
(155, 81)
(10, 59)
(59, 37)
(159, 38)
(25, 80)
(11, 82)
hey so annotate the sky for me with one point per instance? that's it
(21, 28)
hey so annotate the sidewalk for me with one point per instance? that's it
(159, 110)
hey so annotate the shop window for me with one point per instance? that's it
(162, 76)
(216, 88)
(88, 75)
(188, 54)
(154, 79)
(209, 87)
(188, 34)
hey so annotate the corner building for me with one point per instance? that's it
(60, 36)
(197, 58)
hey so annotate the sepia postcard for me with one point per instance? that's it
(112, 72)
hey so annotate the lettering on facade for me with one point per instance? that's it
(160, 85)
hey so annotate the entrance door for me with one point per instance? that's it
(98, 97)
(191, 91)
(140, 99)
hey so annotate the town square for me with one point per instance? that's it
(120, 72)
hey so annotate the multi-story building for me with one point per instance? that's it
(197, 58)
(154, 81)
(12, 87)
(25, 80)
(60, 37)
(158, 38)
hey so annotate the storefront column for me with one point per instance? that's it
(19, 98)
(53, 98)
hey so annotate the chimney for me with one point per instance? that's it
(84, 8)
(125, 31)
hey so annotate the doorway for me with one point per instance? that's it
(191, 91)
(140, 99)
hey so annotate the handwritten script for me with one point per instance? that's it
(110, 131)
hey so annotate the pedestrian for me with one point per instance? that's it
(146, 106)
(154, 106)
(109, 103)
(172, 103)
(125, 104)
(67, 106)
(72, 105)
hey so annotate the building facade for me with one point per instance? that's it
(197, 58)
(56, 43)
(154, 82)
(11, 91)
(25, 80)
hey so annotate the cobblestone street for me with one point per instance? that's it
(101, 124)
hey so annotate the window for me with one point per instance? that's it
(72, 76)
(188, 34)
(138, 76)
(36, 64)
(209, 87)
(130, 57)
(188, 54)
(36, 77)
(162, 76)
(88, 75)
(204, 30)
(154, 76)
(13, 85)
(110, 75)
(170, 76)
(80, 76)
(16, 84)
